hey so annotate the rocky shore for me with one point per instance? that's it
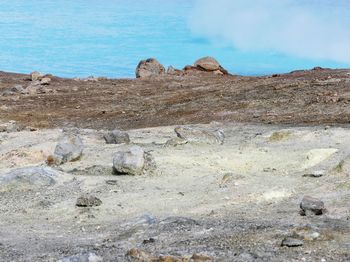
(176, 165)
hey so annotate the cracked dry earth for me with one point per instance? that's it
(231, 202)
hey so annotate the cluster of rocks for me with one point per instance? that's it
(309, 206)
(128, 160)
(151, 68)
(38, 85)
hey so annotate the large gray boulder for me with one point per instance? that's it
(117, 137)
(69, 148)
(29, 178)
(148, 68)
(311, 206)
(200, 135)
(129, 160)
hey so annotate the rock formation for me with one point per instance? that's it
(148, 68)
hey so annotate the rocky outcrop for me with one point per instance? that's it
(148, 68)
(129, 160)
(30, 178)
(207, 64)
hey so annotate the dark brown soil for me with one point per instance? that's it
(319, 96)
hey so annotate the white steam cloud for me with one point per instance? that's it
(312, 29)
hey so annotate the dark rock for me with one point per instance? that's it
(199, 135)
(88, 201)
(311, 206)
(148, 68)
(129, 160)
(69, 148)
(317, 173)
(292, 242)
(148, 241)
(117, 137)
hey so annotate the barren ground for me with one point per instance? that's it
(232, 202)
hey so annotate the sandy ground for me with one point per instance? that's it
(233, 202)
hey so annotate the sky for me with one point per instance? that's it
(109, 37)
(316, 31)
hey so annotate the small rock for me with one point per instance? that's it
(148, 68)
(35, 76)
(148, 241)
(117, 137)
(85, 257)
(29, 178)
(311, 206)
(88, 201)
(317, 173)
(69, 148)
(130, 160)
(198, 135)
(45, 81)
(292, 242)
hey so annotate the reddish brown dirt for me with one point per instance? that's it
(319, 96)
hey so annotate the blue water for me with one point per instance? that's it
(78, 38)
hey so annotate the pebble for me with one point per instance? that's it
(292, 242)
(88, 201)
(317, 173)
